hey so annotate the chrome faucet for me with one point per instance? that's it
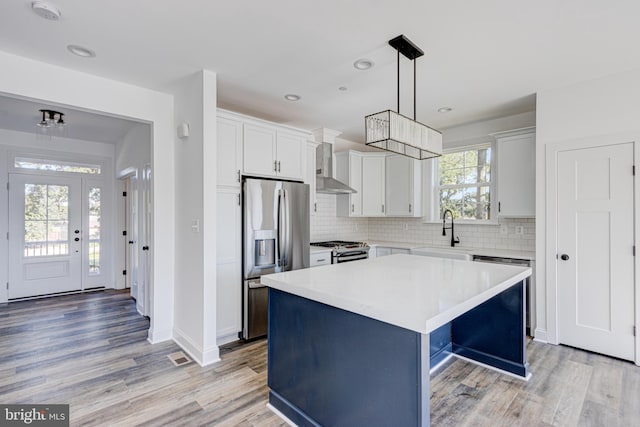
(454, 240)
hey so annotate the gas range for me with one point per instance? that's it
(344, 251)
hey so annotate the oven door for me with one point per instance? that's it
(347, 256)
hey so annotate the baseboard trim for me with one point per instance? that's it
(280, 415)
(155, 337)
(201, 357)
(540, 335)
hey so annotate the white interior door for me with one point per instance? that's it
(595, 267)
(45, 235)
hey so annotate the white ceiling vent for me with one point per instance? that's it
(46, 10)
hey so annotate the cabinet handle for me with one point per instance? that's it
(499, 207)
(238, 199)
(353, 209)
(238, 175)
(382, 208)
(315, 207)
(409, 207)
(275, 166)
(278, 165)
(321, 260)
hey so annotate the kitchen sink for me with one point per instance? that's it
(442, 253)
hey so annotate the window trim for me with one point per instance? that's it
(432, 196)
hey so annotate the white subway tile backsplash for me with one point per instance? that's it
(326, 226)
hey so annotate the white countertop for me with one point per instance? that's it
(502, 253)
(409, 291)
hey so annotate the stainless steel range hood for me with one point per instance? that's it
(325, 183)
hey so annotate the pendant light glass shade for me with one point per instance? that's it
(391, 131)
(394, 132)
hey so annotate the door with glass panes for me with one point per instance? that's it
(54, 234)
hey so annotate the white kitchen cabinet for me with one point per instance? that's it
(403, 186)
(515, 173)
(228, 265)
(229, 152)
(310, 176)
(290, 153)
(259, 147)
(373, 184)
(348, 170)
(319, 258)
(270, 152)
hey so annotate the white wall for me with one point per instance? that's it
(23, 78)
(29, 143)
(606, 106)
(480, 132)
(195, 291)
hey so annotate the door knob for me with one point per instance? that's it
(564, 257)
(77, 239)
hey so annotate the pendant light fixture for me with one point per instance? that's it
(391, 131)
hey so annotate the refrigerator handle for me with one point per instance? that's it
(287, 232)
(279, 248)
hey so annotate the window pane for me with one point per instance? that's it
(465, 179)
(56, 166)
(46, 220)
(94, 230)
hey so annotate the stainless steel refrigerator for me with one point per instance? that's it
(275, 238)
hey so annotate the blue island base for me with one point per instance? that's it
(331, 367)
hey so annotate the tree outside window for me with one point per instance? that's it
(465, 183)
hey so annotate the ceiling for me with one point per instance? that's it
(484, 59)
(23, 115)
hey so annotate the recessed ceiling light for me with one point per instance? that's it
(81, 51)
(363, 64)
(342, 89)
(45, 10)
(444, 109)
(292, 97)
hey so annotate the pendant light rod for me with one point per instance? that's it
(414, 89)
(398, 79)
(407, 48)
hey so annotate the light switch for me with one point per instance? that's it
(195, 226)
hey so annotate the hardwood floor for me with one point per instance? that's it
(91, 351)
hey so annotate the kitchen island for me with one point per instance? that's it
(351, 344)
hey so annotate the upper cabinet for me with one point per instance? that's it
(403, 186)
(516, 173)
(386, 185)
(229, 152)
(373, 185)
(310, 176)
(348, 170)
(272, 153)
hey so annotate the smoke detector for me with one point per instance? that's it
(45, 10)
